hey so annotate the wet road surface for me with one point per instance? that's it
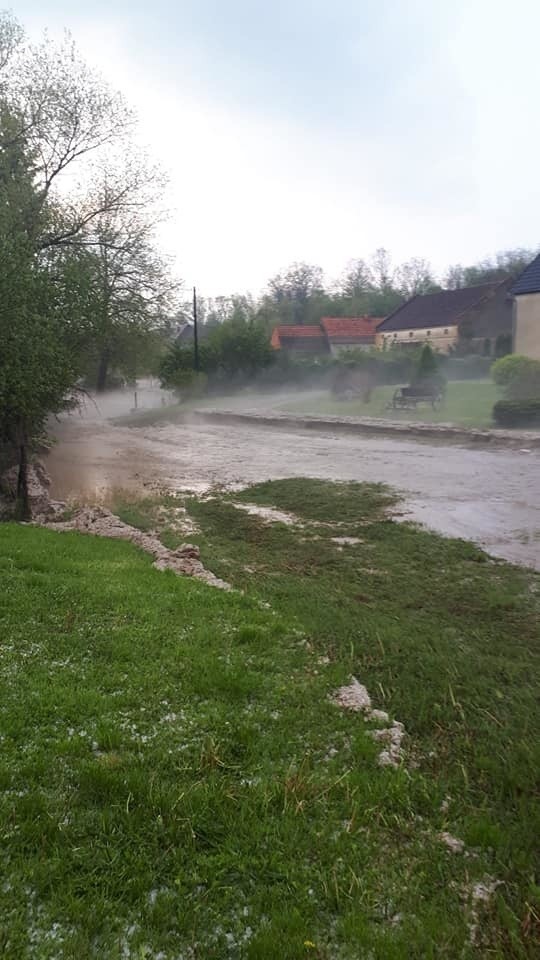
(489, 496)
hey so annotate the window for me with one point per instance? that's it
(411, 334)
(429, 333)
(446, 332)
(395, 335)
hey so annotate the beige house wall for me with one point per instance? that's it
(527, 325)
(440, 338)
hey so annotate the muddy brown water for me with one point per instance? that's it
(489, 496)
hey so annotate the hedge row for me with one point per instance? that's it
(517, 413)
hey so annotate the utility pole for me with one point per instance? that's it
(195, 330)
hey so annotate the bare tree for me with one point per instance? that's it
(415, 276)
(130, 285)
(382, 270)
(357, 279)
(294, 287)
(70, 123)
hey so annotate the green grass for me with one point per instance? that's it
(176, 783)
(467, 403)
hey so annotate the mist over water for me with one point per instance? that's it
(147, 395)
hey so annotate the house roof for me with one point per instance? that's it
(437, 309)
(285, 332)
(299, 331)
(529, 280)
(350, 328)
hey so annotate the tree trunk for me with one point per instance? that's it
(103, 368)
(22, 503)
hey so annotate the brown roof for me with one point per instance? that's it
(437, 309)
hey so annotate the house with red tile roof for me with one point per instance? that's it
(350, 333)
(332, 335)
(299, 339)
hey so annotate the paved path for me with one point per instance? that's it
(491, 496)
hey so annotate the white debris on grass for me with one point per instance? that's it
(269, 514)
(391, 737)
(178, 519)
(454, 844)
(479, 896)
(354, 696)
(346, 541)
(185, 560)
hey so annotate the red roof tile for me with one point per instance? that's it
(299, 331)
(351, 328)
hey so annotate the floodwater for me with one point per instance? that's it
(489, 496)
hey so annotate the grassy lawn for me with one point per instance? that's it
(176, 783)
(467, 403)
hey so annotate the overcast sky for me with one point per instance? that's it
(319, 130)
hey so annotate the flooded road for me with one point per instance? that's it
(489, 496)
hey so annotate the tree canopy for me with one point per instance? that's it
(79, 275)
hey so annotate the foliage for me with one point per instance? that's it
(232, 354)
(356, 373)
(507, 263)
(36, 368)
(517, 413)
(427, 365)
(78, 276)
(291, 291)
(518, 375)
(240, 348)
(127, 291)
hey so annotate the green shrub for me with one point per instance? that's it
(517, 413)
(518, 375)
(428, 371)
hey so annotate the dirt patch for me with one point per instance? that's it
(185, 560)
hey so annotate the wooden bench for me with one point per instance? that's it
(408, 398)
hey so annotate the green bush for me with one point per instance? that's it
(518, 375)
(517, 413)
